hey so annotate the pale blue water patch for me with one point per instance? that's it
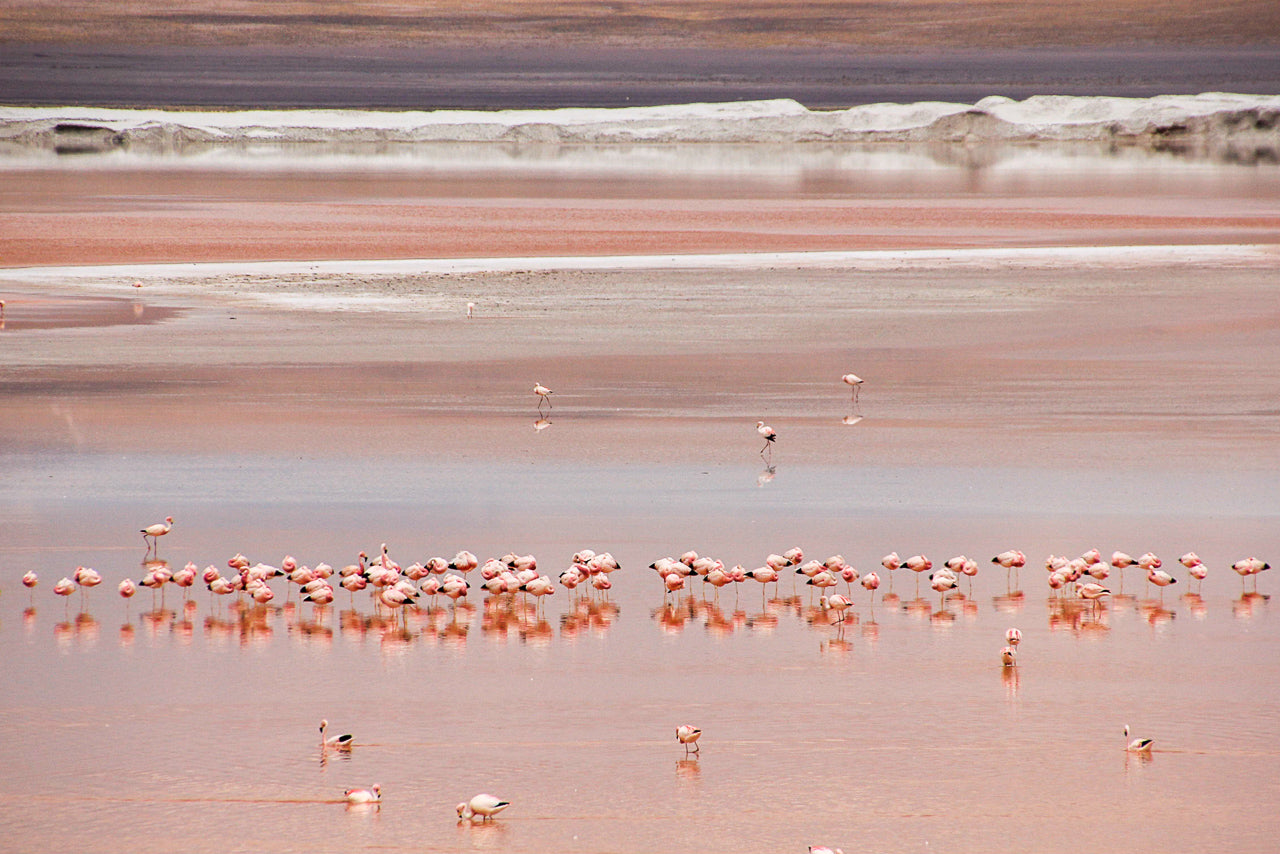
(556, 488)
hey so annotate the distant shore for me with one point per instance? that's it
(553, 76)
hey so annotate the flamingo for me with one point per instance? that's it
(464, 562)
(918, 564)
(1160, 578)
(763, 574)
(942, 581)
(127, 588)
(341, 742)
(718, 577)
(471, 307)
(1010, 560)
(1009, 656)
(870, 582)
(1013, 637)
(855, 384)
(1120, 560)
(30, 579)
(483, 805)
(87, 578)
(688, 734)
(64, 587)
(321, 595)
(156, 531)
(836, 602)
(1091, 591)
(890, 562)
(371, 795)
(1250, 566)
(544, 395)
(1138, 745)
(768, 434)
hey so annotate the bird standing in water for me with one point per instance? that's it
(688, 734)
(156, 531)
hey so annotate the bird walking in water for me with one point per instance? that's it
(483, 805)
(769, 435)
(159, 529)
(688, 734)
(544, 396)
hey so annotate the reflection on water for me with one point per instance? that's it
(514, 617)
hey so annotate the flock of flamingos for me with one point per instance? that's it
(397, 588)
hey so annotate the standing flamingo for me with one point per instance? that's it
(544, 396)
(855, 385)
(870, 582)
(918, 564)
(156, 531)
(484, 805)
(688, 734)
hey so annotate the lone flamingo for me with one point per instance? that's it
(855, 384)
(770, 436)
(157, 530)
(688, 734)
(339, 741)
(1138, 745)
(544, 395)
(483, 805)
(364, 796)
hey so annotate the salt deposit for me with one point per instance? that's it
(1211, 119)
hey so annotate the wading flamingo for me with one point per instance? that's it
(483, 805)
(544, 395)
(855, 385)
(688, 734)
(769, 435)
(159, 529)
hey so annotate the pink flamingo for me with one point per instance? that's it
(484, 805)
(1093, 592)
(855, 384)
(768, 434)
(1160, 578)
(918, 564)
(156, 531)
(364, 796)
(688, 734)
(870, 582)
